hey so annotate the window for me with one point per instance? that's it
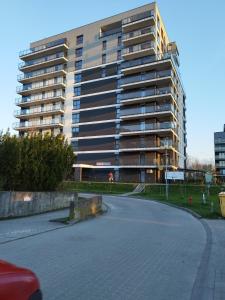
(75, 131)
(119, 55)
(78, 64)
(103, 58)
(77, 78)
(76, 104)
(79, 52)
(104, 43)
(80, 39)
(103, 72)
(75, 118)
(77, 91)
(119, 40)
(74, 145)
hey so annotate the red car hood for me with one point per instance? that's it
(17, 283)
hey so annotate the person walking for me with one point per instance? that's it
(110, 177)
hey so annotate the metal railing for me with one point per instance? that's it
(38, 110)
(139, 32)
(37, 86)
(147, 126)
(28, 124)
(138, 47)
(40, 72)
(145, 60)
(42, 47)
(28, 99)
(41, 60)
(146, 76)
(146, 110)
(146, 93)
(140, 16)
(110, 32)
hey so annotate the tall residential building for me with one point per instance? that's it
(113, 89)
(219, 144)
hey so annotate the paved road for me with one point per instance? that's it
(138, 250)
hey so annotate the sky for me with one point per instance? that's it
(198, 27)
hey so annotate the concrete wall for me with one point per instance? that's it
(19, 204)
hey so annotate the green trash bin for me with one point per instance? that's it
(222, 203)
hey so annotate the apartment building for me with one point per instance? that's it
(113, 88)
(219, 146)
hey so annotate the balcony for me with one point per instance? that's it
(30, 100)
(145, 111)
(42, 74)
(147, 127)
(140, 80)
(147, 95)
(28, 89)
(139, 50)
(139, 36)
(146, 63)
(59, 45)
(138, 21)
(47, 61)
(34, 125)
(36, 112)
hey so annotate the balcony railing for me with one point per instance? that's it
(28, 99)
(144, 15)
(40, 72)
(41, 60)
(23, 88)
(139, 32)
(146, 93)
(139, 47)
(38, 123)
(110, 32)
(38, 110)
(42, 47)
(146, 76)
(147, 126)
(146, 110)
(145, 60)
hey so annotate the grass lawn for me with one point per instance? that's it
(98, 187)
(180, 194)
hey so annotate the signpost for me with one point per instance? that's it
(174, 175)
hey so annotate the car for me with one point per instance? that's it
(18, 283)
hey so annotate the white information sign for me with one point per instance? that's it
(174, 175)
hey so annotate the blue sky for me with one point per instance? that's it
(198, 27)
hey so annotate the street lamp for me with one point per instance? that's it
(166, 146)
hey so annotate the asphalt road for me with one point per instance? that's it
(137, 250)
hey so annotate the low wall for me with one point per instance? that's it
(20, 204)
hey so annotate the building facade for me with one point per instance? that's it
(219, 146)
(113, 89)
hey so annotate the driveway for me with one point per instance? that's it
(139, 250)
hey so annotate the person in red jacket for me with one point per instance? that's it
(110, 177)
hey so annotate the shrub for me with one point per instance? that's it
(36, 162)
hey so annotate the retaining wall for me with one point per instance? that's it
(20, 204)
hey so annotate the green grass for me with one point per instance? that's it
(179, 195)
(97, 187)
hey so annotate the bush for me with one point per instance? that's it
(35, 163)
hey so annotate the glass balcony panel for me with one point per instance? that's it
(137, 33)
(138, 47)
(41, 60)
(145, 60)
(140, 16)
(40, 72)
(42, 47)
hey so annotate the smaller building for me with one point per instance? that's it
(219, 144)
